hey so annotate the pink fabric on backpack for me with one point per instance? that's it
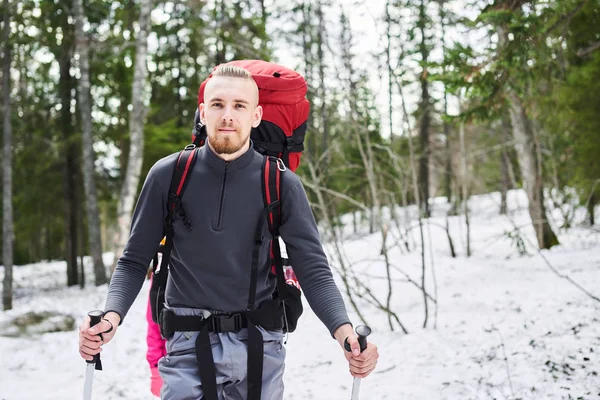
(156, 344)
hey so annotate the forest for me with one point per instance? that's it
(412, 101)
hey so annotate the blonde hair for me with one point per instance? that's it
(232, 71)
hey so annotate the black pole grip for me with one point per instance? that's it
(362, 331)
(95, 317)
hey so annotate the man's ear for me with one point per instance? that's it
(201, 108)
(258, 113)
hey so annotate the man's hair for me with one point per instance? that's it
(232, 71)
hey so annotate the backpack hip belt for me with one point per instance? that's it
(266, 316)
(227, 322)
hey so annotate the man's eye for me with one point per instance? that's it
(240, 106)
(217, 105)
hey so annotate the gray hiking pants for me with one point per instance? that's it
(179, 368)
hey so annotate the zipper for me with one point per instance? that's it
(220, 215)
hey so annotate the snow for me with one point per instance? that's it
(507, 326)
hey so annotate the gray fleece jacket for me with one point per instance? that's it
(210, 265)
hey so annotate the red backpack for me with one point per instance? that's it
(280, 138)
(282, 95)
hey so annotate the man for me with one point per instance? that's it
(210, 263)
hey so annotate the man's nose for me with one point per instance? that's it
(227, 115)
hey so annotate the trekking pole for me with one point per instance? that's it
(95, 317)
(362, 331)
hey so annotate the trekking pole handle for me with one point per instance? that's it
(362, 331)
(95, 317)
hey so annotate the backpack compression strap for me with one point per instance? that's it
(271, 145)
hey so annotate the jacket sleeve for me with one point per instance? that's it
(156, 344)
(145, 235)
(301, 236)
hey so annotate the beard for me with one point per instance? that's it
(227, 143)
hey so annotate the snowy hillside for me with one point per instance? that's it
(507, 327)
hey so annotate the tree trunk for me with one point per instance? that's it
(322, 78)
(505, 180)
(591, 205)
(307, 43)
(81, 253)
(527, 153)
(70, 167)
(85, 108)
(504, 184)
(7, 208)
(366, 153)
(347, 59)
(388, 60)
(448, 155)
(418, 202)
(505, 168)
(220, 19)
(464, 180)
(448, 173)
(136, 128)
(263, 13)
(361, 135)
(425, 117)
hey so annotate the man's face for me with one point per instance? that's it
(230, 111)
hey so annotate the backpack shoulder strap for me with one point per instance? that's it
(184, 164)
(271, 181)
(179, 180)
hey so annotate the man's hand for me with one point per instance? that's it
(361, 364)
(90, 342)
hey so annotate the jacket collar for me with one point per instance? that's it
(208, 156)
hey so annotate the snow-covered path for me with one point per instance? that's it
(506, 326)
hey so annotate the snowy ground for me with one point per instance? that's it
(507, 327)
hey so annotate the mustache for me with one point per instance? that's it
(226, 125)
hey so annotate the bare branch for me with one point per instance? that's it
(316, 187)
(512, 391)
(552, 268)
(378, 304)
(586, 51)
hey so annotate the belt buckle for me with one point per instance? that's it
(227, 323)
